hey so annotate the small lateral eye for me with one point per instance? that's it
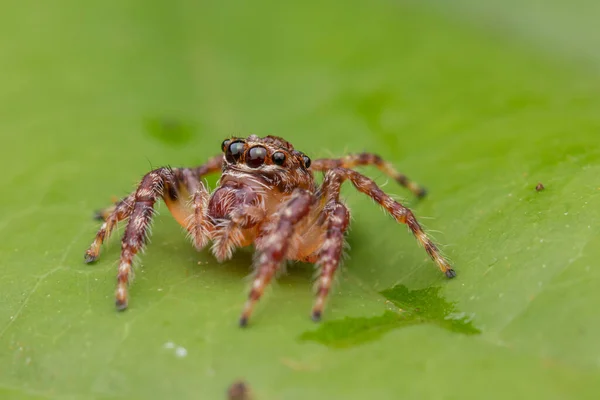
(225, 144)
(234, 151)
(306, 161)
(278, 158)
(256, 156)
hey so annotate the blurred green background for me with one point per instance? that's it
(478, 101)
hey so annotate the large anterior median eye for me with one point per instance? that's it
(256, 156)
(234, 151)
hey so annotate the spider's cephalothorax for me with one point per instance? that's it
(266, 196)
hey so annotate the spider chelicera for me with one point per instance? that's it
(267, 196)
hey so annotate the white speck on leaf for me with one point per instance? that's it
(181, 352)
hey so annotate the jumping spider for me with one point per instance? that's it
(267, 196)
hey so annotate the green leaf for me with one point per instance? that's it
(477, 103)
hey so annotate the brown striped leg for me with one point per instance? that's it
(227, 236)
(214, 164)
(273, 246)
(331, 187)
(153, 186)
(190, 178)
(354, 160)
(198, 225)
(330, 253)
(190, 187)
(111, 216)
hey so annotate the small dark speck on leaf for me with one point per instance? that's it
(239, 390)
(169, 131)
(539, 187)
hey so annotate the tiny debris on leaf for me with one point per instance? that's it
(181, 352)
(539, 187)
(239, 390)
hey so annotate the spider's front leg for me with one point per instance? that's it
(364, 159)
(334, 179)
(233, 207)
(273, 246)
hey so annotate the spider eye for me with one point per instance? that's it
(225, 144)
(306, 161)
(234, 151)
(278, 158)
(256, 156)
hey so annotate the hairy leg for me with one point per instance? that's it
(119, 212)
(228, 233)
(355, 160)
(190, 186)
(153, 186)
(273, 246)
(170, 184)
(188, 204)
(214, 164)
(174, 186)
(330, 254)
(331, 188)
(189, 178)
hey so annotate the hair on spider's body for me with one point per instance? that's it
(267, 197)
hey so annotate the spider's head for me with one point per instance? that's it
(271, 158)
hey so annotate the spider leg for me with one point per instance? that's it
(273, 247)
(354, 160)
(331, 189)
(190, 177)
(330, 254)
(153, 186)
(190, 214)
(190, 186)
(167, 183)
(171, 185)
(118, 212)
(198, 225)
